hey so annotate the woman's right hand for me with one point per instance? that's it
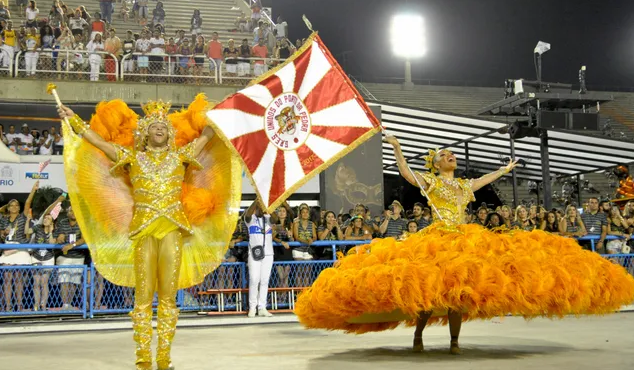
(65, 112)
(391, 139)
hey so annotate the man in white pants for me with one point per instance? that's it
(260, 258)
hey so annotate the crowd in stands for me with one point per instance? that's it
(32, 141)
(79, 45)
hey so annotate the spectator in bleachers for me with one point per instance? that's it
(328, 230)
(56, 16)
(241, 23)
(628, 215)
(127, 50)
(42, 234)
(596, 224)
(13, 229)
(260, 258)
(12, 137)
(124, 13)
(47, 43)
(550, 223)
(256, 15)
(31, 14)
(3, 137)
(417, 216)
(199, 59)
(572, 224)
(143, 46)
(521, 219)
(244, 62)
(493, 221)
(196, 23)
(481, 213)
(6, 59)
(31, 56)
(97, 26)
(5, 14)
(171, 49)
(281, 27)
(604, 207)
(142, 11)
(357, 230)
(283, 233)
(505, 212)
(214, 52)
(184, 61)
(157, 51)
(25, 141)
(58, 142)
(261, 52)
(45, 144)
(393, 225)
(113, 46)
(305, 232)
(617, 226)
(258, 32)
(105, 6)
(231, 54)
(158, 15)
(68, 233)
(77, 24)
(94, 47)
(21, 39)
(84, 14)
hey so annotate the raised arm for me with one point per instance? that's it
(403, 168)
(92, 137)
(205, 137)
(490, 177)
(249, 212)
(29, 200)
(48, 210)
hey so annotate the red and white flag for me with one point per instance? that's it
(43, 165)
(294, 122)
(56, 210)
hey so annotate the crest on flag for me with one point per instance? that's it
(293, 122)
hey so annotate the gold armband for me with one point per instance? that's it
(78, 124)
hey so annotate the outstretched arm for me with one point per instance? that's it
(249, 212)
(490, 177)
(29, 200)
(92, 137)
(403, 168)
(205, 137)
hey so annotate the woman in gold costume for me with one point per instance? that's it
(451, 271)
(172, 187)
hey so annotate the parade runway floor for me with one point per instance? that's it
(511, 343)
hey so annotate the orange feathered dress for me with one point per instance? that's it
(465, 268)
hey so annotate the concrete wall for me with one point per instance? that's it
(130, 92)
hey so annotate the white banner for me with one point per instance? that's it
(20, 177)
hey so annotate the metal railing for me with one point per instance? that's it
(168, 68)
(81, 291)
(66, 64)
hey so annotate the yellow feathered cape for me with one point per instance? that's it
(103, 202)
(470, 269)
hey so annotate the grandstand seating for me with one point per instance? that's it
(218, 16)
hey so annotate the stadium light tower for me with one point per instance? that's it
(408, 41)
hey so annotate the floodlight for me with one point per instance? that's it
(408, 36)
(542, 47)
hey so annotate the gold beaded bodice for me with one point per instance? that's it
(450, 197)
(157, 180)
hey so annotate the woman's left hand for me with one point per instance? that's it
(509, 167)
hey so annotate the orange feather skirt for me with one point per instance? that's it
(469, 269)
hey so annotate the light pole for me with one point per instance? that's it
(408, 41)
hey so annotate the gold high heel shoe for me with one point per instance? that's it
(455, 348)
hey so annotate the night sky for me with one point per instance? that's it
(482, 41)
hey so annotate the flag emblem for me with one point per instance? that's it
(294, 122)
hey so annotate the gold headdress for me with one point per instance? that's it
(155, 112)
(429, 160)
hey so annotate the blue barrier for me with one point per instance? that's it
(80, 290)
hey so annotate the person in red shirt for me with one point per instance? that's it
(214, 51)
(97, 26)
(261, 52)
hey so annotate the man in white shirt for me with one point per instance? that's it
(281, 27)
(24, 141)
(11, 136)
(260, 260)
(46, 143)
(157, 46)
(77, 23)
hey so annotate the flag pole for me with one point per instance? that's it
(420, 186)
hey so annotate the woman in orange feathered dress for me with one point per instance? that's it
(451, 271)
(156, 199)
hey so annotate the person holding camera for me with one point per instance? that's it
(393, 225)
(260, 260)
(328, 230)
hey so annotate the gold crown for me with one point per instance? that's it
(429, 160)
(155, 112)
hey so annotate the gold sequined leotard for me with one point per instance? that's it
(157, 180)
(443, 195)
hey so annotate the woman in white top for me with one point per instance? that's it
(31, 14)
(93, 47)
(260, 258)
(46, 143)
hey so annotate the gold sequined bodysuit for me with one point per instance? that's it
(157, 180)
(445, 196)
